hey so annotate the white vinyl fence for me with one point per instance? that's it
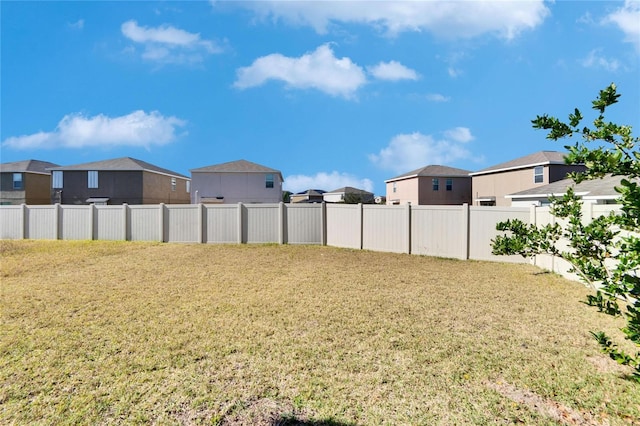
(462, 232)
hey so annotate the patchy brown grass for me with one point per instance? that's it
(102, 332)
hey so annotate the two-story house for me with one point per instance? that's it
(25, 182)
(490, 186)
(430, 185)
(236, 182)
(118, 181)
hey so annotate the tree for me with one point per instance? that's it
(605, 253)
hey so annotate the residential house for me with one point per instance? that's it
(430, 185)
(25, 182)
(595, 191)
(491, 185)
(235, 182)
(118, 181)
(349, 195)
(308, 196)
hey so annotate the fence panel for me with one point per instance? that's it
(482, 229)
(261, 223)
(76, 222)
(181, 223)
(344, 225)
(143, 222)
(11, 222)
(109, 222)
(221, 224)
(42, 223)
(439, 231)
(304, 223)
(385, 228)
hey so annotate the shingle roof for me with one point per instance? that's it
(433, 170)
(348, 190)
(239, 166)
(29, 166)
(311, 192)
(604, 187)
(536, 159)
(120, 164)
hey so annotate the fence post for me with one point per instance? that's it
(92, 220)
(281, 224)
(323, 231)
(161, 219)
(408, 227)
(465, 231)
(23, 228)
(56, 219)
(361, 225)
(240, 223)
(201, 218)
(125, 221)
(533, 220)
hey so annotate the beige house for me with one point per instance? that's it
(594, 191)
(25, 182)
(430, 185)
(308, 196)
(236, 182)
(491, 185)
(348, 195)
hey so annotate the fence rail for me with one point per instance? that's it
(463, 232)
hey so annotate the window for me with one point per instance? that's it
(435, 184)
(449, 184)
(92, 179)
(57, 179)
(17, 181)
(394, 187)
(173, 184)
(538, 174)
(188, 186)
(269, 181)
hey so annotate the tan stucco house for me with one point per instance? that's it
(235, 182)
(349, 195)
(490, 186)
(594, 191)
(25, 182)
(430, 185)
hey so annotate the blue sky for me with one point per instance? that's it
(333, 94)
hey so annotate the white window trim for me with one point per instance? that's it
(92, 179)
(57, 179)
(541, 174)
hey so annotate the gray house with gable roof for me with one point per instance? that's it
(234, 182)
(118, 181)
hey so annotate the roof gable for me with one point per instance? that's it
(433, 170)
(539, 158)
(28, 166)
(120, 164)
(238, 166)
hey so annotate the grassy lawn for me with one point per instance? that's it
(113, 332)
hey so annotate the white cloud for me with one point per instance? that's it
(392, 71)
(326, 181)
(167, 44)
(78, 25)
(319, 70)
(407, 152)
(77, 131)
(627, 18)
(449, 19)
(595, 60)
(437, 97)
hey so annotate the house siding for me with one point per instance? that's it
(35, 189)
(419, 191)
(503, 183)
(235, 187)
(156, 188)
(119, 186)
